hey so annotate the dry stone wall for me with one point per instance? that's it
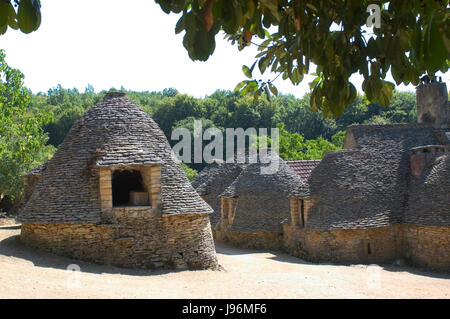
(427, 246)
(137, 240)
(253, 240)
(423, 246)
(374, 245)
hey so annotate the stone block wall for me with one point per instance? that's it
(295, 205)
(86, 241)
(427, 246)
(137, 240)
(374, 245)
(253, 240)
(433, 106)
(423, 246)
(227, 213)
(155, 186)
(105, 189)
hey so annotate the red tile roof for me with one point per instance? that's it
(303, 168)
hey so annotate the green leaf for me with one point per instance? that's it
(263, 63)
(4, 13)
(256, 95)
(246, 71)
(240, 85)
(273, 89)
(435, 51)
(180, 26)
(252, 67)
(28, 16)
(372, 48)
(386, 93)
(12, 18)
(396, 74)
(266, 90)
(3, 29)
(296, 76)
(367, 88)
(273, 7)
(314, 82)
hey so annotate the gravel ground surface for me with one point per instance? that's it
(30, 273)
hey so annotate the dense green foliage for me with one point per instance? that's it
(22, 140)
(190, 172)
(293, 146)
(411, 39)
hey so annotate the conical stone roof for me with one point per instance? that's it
(114, 132)
(269, 175)
(367, 186)
(212, 181)
(263, 194)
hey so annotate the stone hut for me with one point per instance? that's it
(212, 181)
(255, 205)
(113, 193)
(382, 198)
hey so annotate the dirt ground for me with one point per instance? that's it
(30, 273)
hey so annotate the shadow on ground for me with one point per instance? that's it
(226, 249)
(417, 271)
(13, 247)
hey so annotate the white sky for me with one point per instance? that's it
(112, 43)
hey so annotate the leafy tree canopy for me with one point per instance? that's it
(22, 141)
(292, 146)
(412, 39)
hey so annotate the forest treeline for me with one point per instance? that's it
(304, 134)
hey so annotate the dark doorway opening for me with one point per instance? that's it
(369, 250)
(123, 182)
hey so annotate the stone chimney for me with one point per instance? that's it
(433, 107)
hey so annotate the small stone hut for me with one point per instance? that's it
(113, 193)
(212, 181)
(254, 206)
(384, 197)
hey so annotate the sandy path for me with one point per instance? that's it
(30, 273)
